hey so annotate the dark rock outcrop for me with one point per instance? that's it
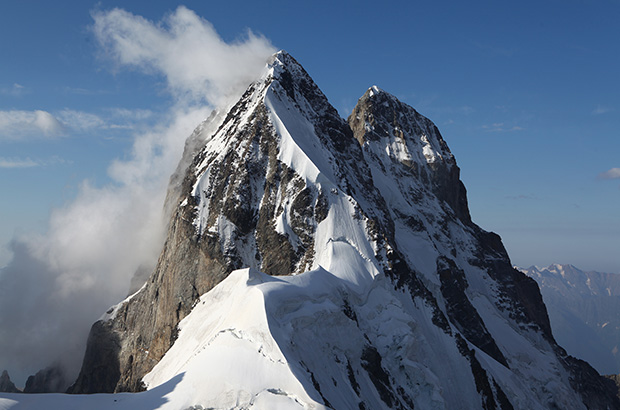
(52, 379)
(616, 379)
(6, 385)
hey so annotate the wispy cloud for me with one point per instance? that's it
(17, 125)
(17, 163)
(16, 90)
(12, 163)
(501, 127)
(81, 121)
(613, 173)
(28, 125)
(135, 114)
(600, 110)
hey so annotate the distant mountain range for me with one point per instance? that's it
(584, 309)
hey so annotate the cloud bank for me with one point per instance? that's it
(185, 48)
(59, 283)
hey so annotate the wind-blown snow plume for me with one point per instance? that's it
(58, 283)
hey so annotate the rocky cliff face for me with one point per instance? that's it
(282, 185)
(6, 385)
(52, 379)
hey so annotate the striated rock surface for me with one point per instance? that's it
(400, 300)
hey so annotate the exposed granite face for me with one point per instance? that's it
(122, 349)
(6, 385)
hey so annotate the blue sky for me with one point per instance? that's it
(526, 94)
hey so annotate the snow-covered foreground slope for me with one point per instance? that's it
(315, 263)
(307, 340)
(160, 398)
(584, 309)
(228, 334)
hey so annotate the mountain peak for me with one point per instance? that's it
(409, 144)
(282, 57)
(379, 115)
(377, 92)
(282, 65)
(379, 265)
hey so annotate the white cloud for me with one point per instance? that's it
(17, 125)
(198, 65)
(59, 283)
(27, 125)
(110, 119)
(135, 114)
(613, 173)
(81, 121)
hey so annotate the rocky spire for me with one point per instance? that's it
(6, 385)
